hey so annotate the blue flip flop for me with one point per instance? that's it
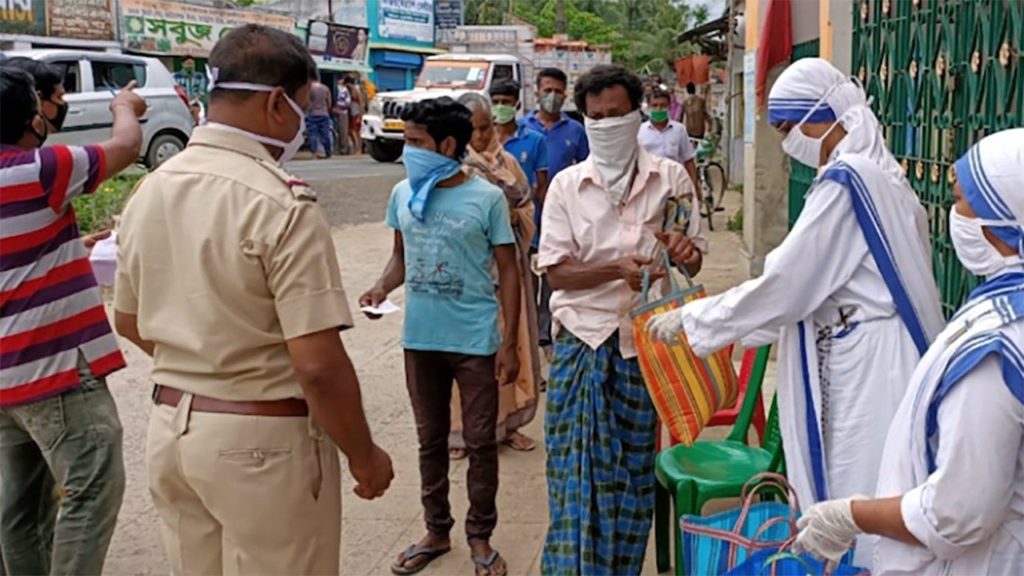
(487, 563)
(414, 552)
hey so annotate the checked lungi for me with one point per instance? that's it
(600, 430)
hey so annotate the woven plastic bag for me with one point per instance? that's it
(717, 543)
(781, 562)
(686, 390)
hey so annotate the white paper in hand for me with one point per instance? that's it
(382, 309)
(104, 260)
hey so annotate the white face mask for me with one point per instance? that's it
(613, 146)
(288, 149)
(803, 148)
(973, 250)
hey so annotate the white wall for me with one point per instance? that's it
(840, 14)
(805, 20)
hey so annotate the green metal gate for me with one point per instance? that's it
(943, 74)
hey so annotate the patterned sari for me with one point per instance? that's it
(517, 403)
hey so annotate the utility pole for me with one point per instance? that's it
(560, 17)
(330, 11)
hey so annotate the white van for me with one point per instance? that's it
(445, 75)
(92, 78)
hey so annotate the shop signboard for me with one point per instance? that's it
(169, 28)
(84, 19)
(23, 17)
(409, 20)
(449, 14)
(346, 44)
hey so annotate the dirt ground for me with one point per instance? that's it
(354, 194)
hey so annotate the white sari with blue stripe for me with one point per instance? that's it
(859, 251)
(849, 295)
(956, 447)
(834, 430)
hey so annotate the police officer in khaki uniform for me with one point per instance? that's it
(228, 277)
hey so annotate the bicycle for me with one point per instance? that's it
(712, 179)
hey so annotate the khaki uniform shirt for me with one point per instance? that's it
(223, 257)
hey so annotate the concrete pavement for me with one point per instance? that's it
(374, 532)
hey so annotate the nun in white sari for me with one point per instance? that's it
(849, 294)
(950, 496)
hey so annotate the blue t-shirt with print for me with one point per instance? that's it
(450, 303)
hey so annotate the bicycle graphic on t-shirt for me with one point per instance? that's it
(440, 280)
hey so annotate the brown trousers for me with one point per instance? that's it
(429, 378)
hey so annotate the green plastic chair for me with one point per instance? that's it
(690, 476)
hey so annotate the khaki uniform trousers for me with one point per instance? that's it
(244, 494)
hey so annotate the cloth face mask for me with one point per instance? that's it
(974, 251)
(503, 113)
(425, 168)
(552, 102)
(613, 146)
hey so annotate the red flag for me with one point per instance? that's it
(776, 44)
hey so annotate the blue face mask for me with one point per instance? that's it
(425, 169)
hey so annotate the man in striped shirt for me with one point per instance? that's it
(58, 422)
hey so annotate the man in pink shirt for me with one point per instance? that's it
(605, 220)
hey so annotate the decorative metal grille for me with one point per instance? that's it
(943, 74)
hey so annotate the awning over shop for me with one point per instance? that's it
(396, 59)
(710, 36)
(328, 63)
(406, 48)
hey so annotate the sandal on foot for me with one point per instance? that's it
(430, 553)
(520, 442)
(485, 566)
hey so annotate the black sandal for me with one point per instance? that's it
(399, 566)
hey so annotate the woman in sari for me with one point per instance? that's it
(485, 158)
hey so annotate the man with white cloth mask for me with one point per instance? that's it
(849, 294)
(950, 496)
(605, 219)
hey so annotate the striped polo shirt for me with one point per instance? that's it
(50, 307)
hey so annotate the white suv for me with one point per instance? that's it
(91, 78)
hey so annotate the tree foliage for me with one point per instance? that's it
(642, 33)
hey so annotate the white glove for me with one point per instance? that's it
(666, 326)
(827, 529)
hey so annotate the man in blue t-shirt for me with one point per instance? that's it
(449, 231)
(566, 142)
(566, 139)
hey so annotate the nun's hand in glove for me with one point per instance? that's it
(827, 529)
(667, 326)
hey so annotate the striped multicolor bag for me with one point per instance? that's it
(717, 543)
(686, 390)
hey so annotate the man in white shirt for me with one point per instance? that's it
(667, 138)
(604, 221)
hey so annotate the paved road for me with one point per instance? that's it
(352, 190)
